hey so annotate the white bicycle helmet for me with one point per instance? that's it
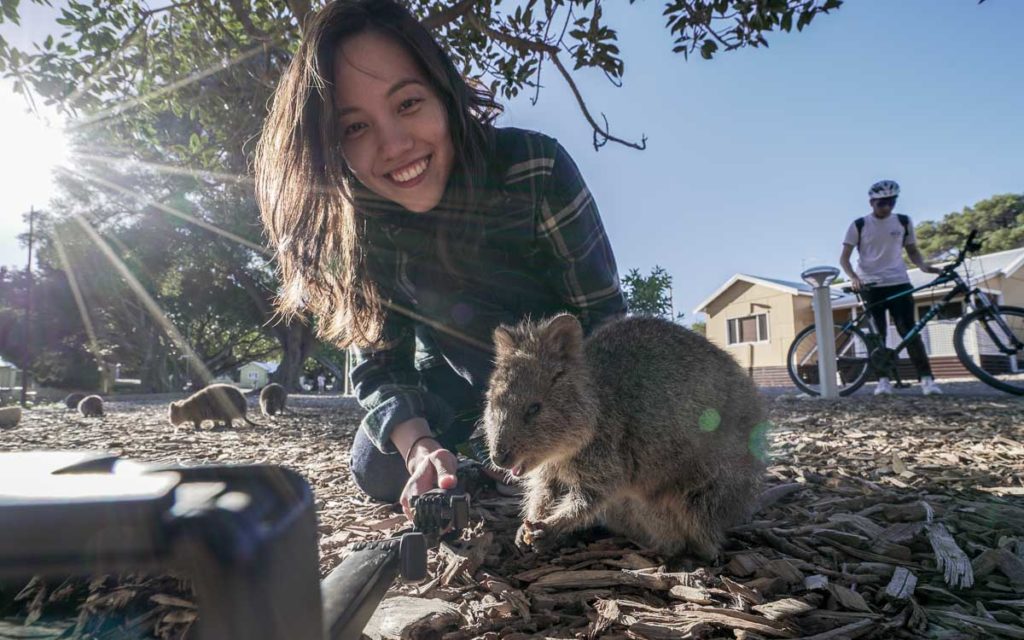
(884, 189)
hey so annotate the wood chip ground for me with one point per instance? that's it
(882, 518)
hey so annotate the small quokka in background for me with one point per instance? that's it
(272, 399)
(645, 428)
(91, 406)
(9, 417)
(221, 403)
(72, 399)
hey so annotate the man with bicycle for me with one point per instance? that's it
(881, 273)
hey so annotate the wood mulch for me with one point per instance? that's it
(882, 518)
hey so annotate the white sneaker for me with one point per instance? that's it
(930, 387)
(884, 387)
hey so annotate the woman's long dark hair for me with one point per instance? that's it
(306, 194)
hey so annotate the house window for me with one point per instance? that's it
(253, 375)
(951, 311)
(748, 329)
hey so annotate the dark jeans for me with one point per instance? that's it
(902, 312)
(382, 476)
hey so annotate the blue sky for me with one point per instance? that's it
(758, 160)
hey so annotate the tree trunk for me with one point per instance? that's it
(198, 377)
(296, 337)
(150, 371)
(340, 374)
(297, 342)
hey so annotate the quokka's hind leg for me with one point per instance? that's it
(692, 520)
(683, 531)
(628, 518)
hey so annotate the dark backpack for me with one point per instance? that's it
(904, 220)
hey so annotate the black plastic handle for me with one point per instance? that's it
(971, 245)
(352, 592)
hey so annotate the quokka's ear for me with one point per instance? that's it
(504, 343)
(563, 336)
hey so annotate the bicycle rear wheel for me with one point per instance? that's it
(852, 361)
(990, 343)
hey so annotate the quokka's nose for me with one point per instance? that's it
(501, 458)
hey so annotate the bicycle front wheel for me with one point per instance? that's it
(990, 343)
(852, 361)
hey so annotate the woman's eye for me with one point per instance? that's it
(532, 410)
(409, 103)
(353, 129)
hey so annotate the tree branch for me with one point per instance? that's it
(727, 45)
(598, 131)
(444, 16)
(243, 16)
(300, 9)
(552, 52)
(507, 38)
(212, 15)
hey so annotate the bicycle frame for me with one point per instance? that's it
(960, 288)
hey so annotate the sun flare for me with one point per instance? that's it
(33, 146)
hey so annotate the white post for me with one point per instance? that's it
(820, 278)
(826, 342)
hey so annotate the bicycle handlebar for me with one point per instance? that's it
(969, 246)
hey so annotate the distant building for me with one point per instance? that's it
(10, 375)
(256, 374)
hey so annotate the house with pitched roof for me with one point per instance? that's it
(10, 375)
(256, 374)
(755, 318)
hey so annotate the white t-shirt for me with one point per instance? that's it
(880, 254)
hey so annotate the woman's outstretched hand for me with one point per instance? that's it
(430, 467)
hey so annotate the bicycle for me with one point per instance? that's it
(989, 340)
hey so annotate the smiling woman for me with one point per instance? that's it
(33, 146)
(412, 227)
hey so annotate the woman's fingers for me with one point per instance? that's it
(421, 480)
(437, 469)
(445, 466)
(407, 495)
(406, 509)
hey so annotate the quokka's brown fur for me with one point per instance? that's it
(72, 399)
(272, 399)
(221, 403)
(645, 427)
(91, 406)
(9, 417)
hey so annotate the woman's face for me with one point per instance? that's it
(394, 127)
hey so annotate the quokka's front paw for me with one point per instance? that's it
(525, 535)
(539, 537)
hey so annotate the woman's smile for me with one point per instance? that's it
(410, 175)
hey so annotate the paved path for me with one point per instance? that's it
(959, 388)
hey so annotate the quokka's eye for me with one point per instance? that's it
(532, 410)
(558, 374)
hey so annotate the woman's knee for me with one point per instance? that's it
(382, 476)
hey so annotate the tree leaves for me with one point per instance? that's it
(9, 11)
(651, 294)
(112, 50)
(999, 221)
(713, 25)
